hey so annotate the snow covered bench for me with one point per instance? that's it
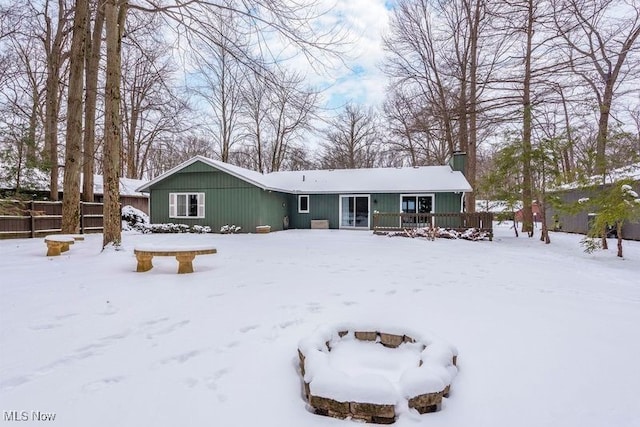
(58, 243)
(184, 255)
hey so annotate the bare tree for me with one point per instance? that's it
(172, 150)
(413, 130)
(150, 108)
(115, 13)
(219, 81)
(54, 38)
(292, 22)
(414, 62)
(601, 38)
(352, 140)
(92, 65)
(444, 55)
(73, 146)
(293, 106)
(278, 115)
(21, 99)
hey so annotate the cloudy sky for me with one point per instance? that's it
(359, 79)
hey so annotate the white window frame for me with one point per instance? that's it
(173, 205)
(300, 210)
(368, 196)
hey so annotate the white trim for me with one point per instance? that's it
(300, 210)
(368, 227)
(173, 205)
(173, 212)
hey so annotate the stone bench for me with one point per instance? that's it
(58, 243)
(185, 256)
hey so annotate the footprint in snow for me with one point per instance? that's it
(191, 382)
(102, 383)
(154, 321)
(285, 325)
(181, 358)
(348, 303)
(45, 326)
(66, 316)
(13, 382)
(248, 328)
(212, 381)
(168, 329)
(215, 295)
(390, 292)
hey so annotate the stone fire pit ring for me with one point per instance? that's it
(372, 398)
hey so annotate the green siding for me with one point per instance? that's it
(326, 206)
(321, 206)
(274, 208)
(458, 162)
(447, 202)
(230, 200)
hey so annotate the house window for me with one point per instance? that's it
(416, 204)
(303, 204)
(186, 205)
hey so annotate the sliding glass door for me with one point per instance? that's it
(354, 211)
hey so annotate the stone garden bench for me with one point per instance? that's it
(184, 256)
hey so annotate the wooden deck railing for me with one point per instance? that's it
(387, 221)
(37, 218)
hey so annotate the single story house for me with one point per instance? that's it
(206, 192)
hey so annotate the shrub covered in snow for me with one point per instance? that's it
(227, 229)
(133, 219)
(173, 228)
(201, 229)
(443, 233)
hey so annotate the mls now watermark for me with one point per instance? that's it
(28, 416)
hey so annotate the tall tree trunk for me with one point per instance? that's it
(53, 48)
(73, 145)
(474, 20)
(603, 130)
(115, 13)
(91, 74)
(527, 213)
(619, 235)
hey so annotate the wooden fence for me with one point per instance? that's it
(482, 221)
(38, 218)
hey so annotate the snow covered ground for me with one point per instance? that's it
(547, 335)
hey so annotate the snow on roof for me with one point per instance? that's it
(128, 186)
(406, 180)
(386, 180)
(39, 180)
(496, 206)
(631, 171)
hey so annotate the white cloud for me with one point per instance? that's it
(358, 78)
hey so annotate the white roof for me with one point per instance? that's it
(631, 171)
(377, 180)
(128, 186)
(38, 180)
